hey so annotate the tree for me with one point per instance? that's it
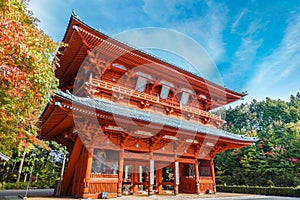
(275, 158)
(27, 63)
(47, 166)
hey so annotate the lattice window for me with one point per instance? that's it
(105, 162)
(141, 84)
(164, 93)
(184, 98)
(204, 168)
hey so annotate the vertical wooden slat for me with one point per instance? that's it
(151, 174)
(133, 174)
(140, 173)
(120, 174)
(126, 172)
(176, 178)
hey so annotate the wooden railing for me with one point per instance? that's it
(111, 87)
(124, 90)
(206, 184)
(103, 182)
(187, 185)
(98, 175)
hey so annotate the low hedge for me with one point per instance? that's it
(276, 191)
(18, 185)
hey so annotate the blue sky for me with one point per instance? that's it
(254, 44)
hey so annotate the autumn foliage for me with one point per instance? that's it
(26, 75)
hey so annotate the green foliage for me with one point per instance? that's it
(26, 75)
(275, 159)
(27, 63)
(46, 166)
(8, 186)
(278, 191)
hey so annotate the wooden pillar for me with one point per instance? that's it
(87, 176)
(74, 157)
(136, 187)
(80, 178)
(212, 169)
(197, 179)
(144, 178)
(151, 174)
(74, 185)
(176, 178)
(134, 179)
(159, 181)
(120, 174)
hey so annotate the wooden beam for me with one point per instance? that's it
(186, 160)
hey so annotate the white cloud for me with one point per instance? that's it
(276, 72)
(206, 26)
(176, 44)
(254, 28)
(49, 13)
(160, 10)
(238, 19)
(244, 57)
(204, 21)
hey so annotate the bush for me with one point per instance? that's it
(278, 191)
(18, 185)
(42, 184)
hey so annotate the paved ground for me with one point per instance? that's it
(13, 194)
(46, 195)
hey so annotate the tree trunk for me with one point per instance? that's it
(37, 176)
(63, 167)
(13, 166)
(21, 167)
(25, 178)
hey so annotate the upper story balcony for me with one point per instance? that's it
(142, 100)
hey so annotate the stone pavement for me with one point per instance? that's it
(220, 196)
(46, 195)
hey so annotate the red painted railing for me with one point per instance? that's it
(104, 85)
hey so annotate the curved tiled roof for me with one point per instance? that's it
(148, 116)
(82, 37)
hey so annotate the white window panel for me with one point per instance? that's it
(164, 93)
(141, 84)
(184, 98)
